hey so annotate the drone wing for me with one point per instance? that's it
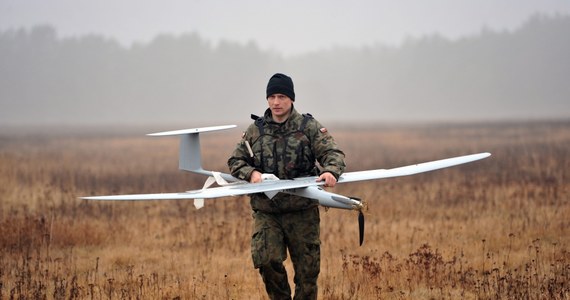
(234, 189)
(411, 169)
(243, 188)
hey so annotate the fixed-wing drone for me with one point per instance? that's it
(190, 160)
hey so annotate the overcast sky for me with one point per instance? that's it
(289, 27)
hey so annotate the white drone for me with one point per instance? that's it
(190, 160)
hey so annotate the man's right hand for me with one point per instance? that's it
(255, 177)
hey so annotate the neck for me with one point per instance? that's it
(283, 118)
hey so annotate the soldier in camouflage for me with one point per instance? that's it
(286, 144)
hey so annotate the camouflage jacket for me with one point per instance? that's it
(287, 150)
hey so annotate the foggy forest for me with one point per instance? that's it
(93, 79)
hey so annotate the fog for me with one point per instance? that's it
(47, 77)
(289, 27)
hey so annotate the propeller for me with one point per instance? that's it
(360, 220)
(361, 226)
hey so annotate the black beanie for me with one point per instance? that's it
(280, 84)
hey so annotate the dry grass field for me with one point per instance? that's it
(494, 229)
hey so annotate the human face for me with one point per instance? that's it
(280, 106)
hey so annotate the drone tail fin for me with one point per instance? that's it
(190, 155)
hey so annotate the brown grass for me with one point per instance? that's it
(498, 228)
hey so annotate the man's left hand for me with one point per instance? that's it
(328, 178)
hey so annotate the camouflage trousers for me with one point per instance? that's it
(297, 232)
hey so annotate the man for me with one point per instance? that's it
(286, 144)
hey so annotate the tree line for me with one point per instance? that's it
(186, 78)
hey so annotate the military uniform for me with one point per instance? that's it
(287, 150)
